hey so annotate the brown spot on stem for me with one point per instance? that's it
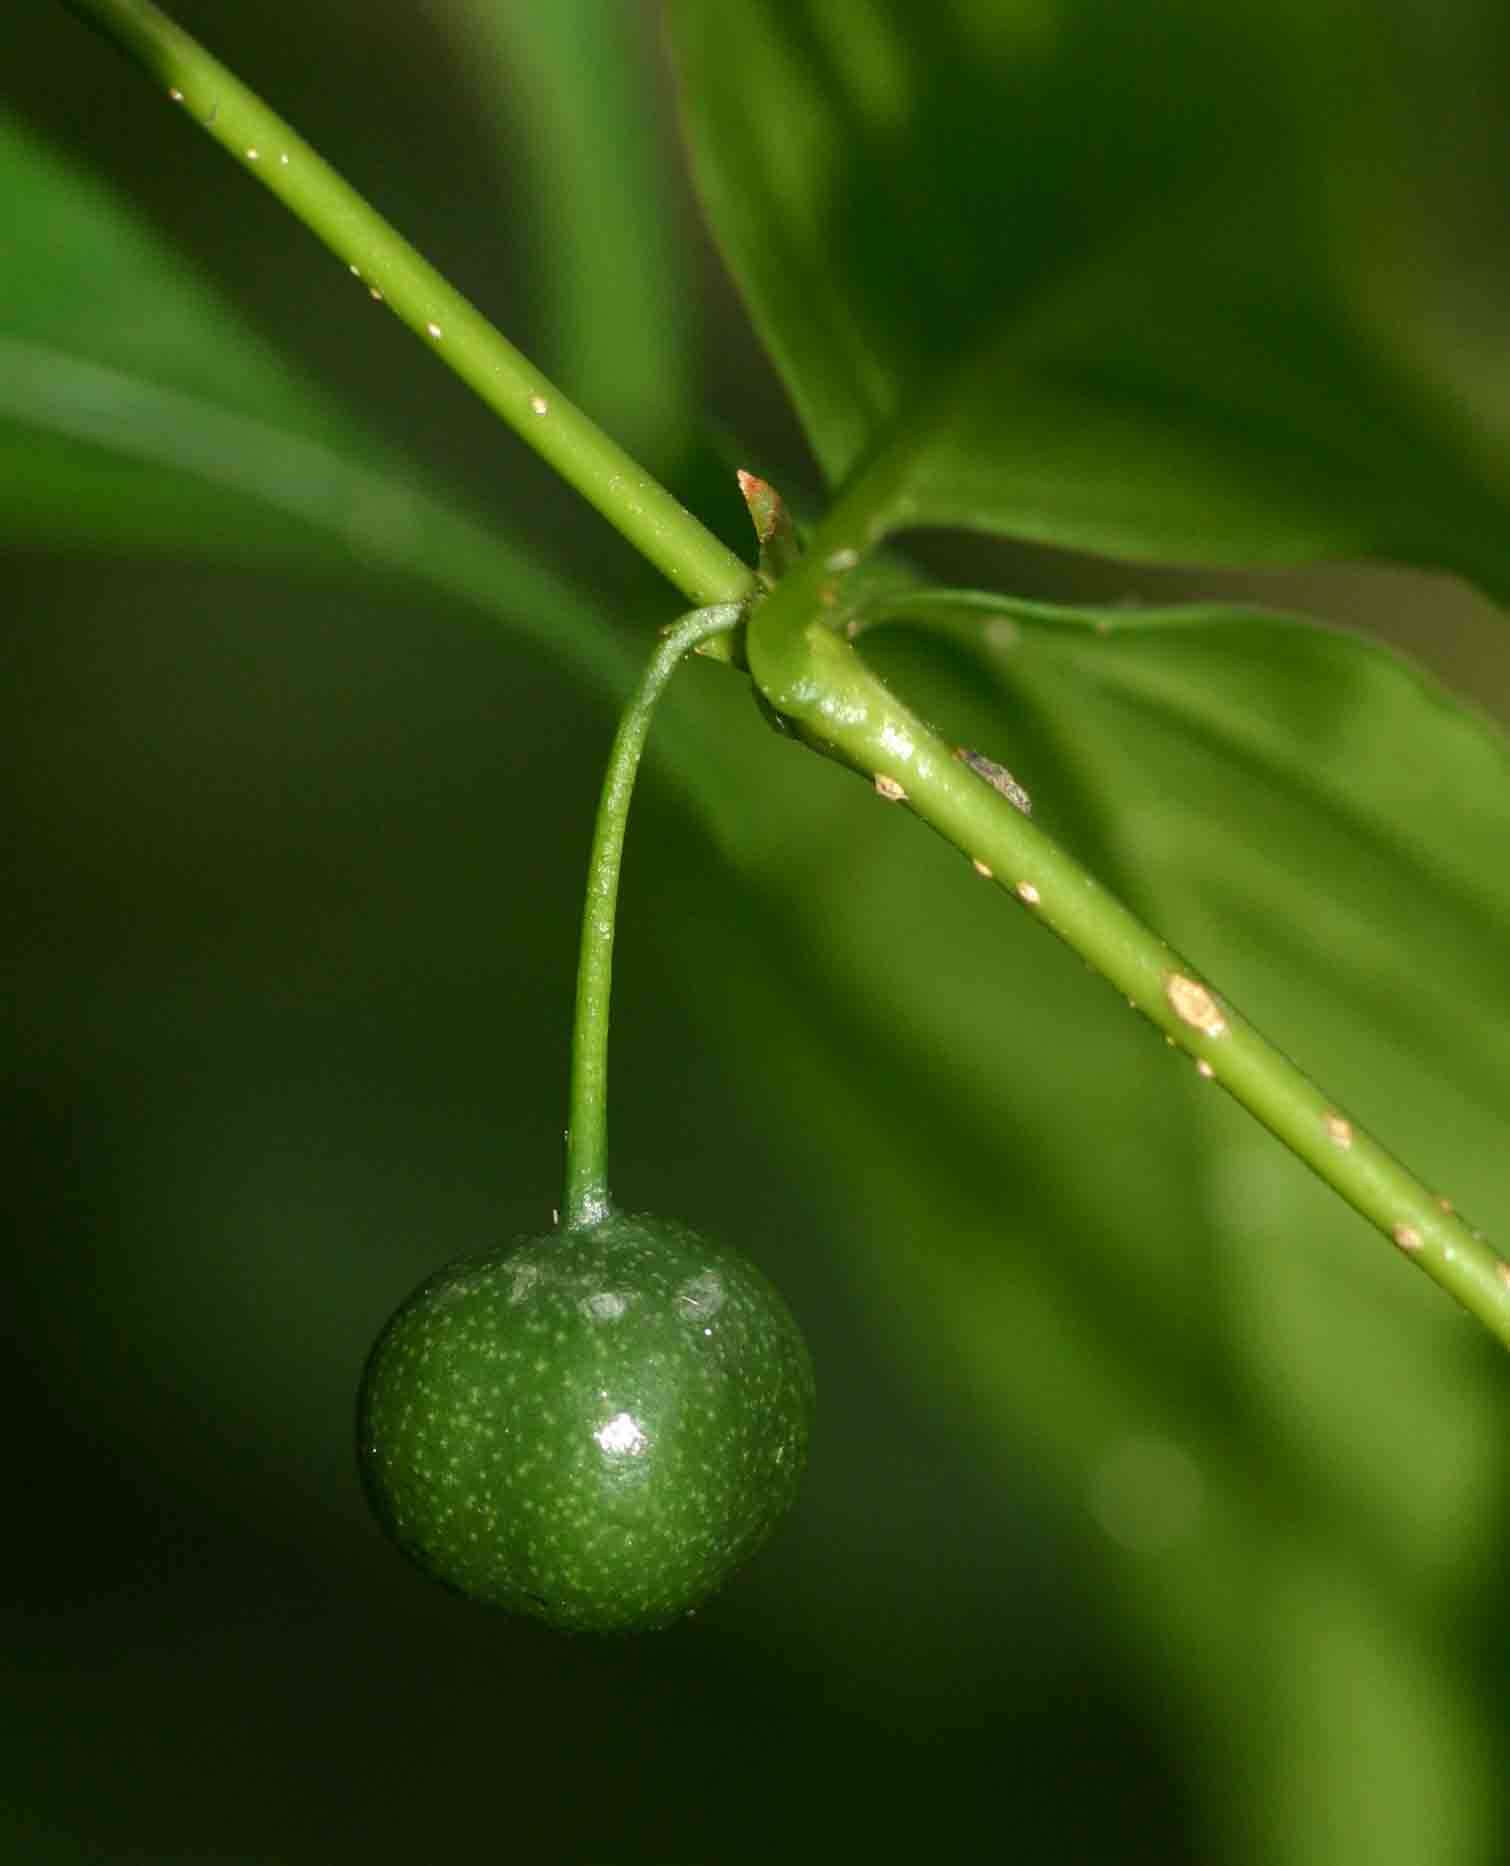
(981, 869)
(1027, 892)
(1194, 1005)
(889, 788)
(1407, 1237)
(1340, 1130)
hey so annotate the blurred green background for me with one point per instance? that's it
(298, 851)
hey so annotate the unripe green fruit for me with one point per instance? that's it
(594, 1428)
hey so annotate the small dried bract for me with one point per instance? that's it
(997, 776)
(774, 530)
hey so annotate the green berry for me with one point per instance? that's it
(594, 1428)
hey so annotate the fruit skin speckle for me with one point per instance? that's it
(594, 1428)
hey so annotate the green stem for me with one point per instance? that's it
(646, 514)
(587, 1200)
(809, 674)
(806, 668)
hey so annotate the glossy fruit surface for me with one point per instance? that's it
(594, 1428)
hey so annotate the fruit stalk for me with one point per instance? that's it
(587, 1202)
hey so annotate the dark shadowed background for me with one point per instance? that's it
(292, 910)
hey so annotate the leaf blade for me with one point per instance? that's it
(1093, 292)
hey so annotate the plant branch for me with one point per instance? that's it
(810, 674)
(587, 1201)
(802, 660)
(641, 509)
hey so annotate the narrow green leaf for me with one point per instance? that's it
(91, 280)
(144, 416)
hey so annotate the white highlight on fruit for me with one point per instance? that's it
(701, 1295)
(539, 405)
(622, 1436)
(896, 741)
(434, 330)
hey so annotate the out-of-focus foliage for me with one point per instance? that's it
(570, 84)
(1225, 1368)
(1167, 283)
(140, 412)
(1156, 1509)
